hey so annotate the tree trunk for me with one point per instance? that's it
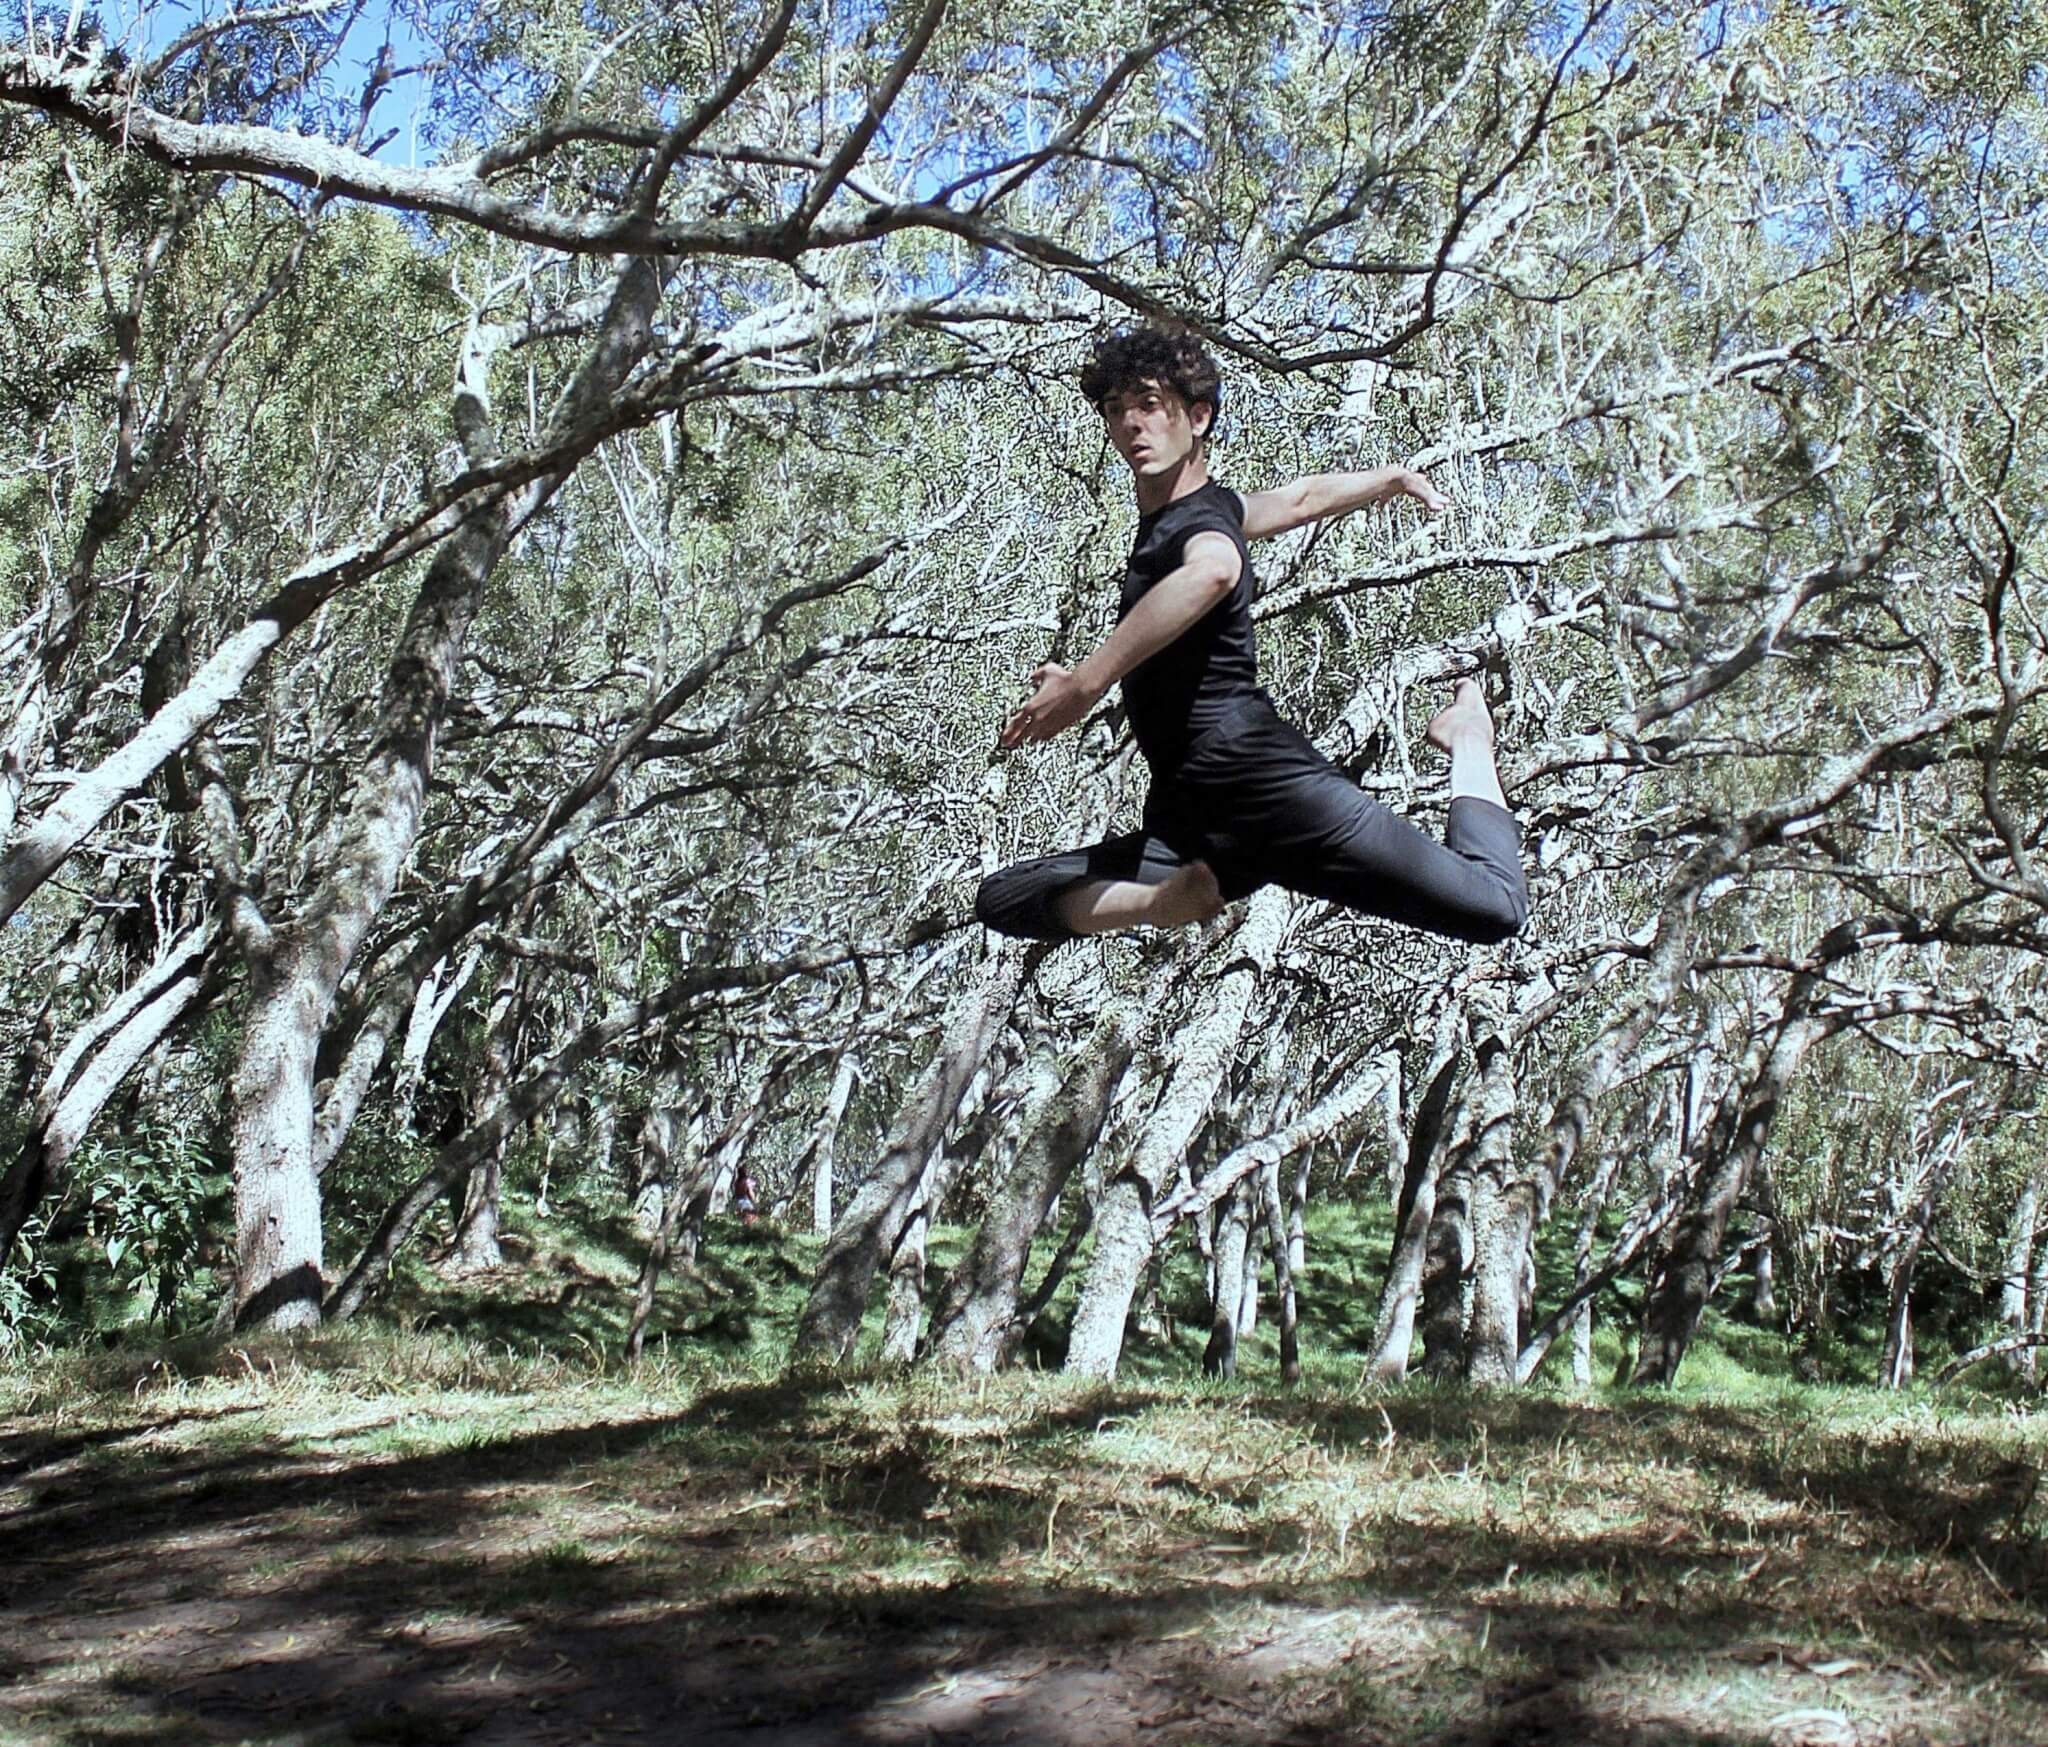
(903, 1312)
(296, 970)
(476, 1229)
(1597, 1194)
(1897, 1367)
(655, 1172)
(475, 1246)
(1447, 1270)
(903, 1318)
(1503, 1220)
(340, 1099)
(973, 1321)
(866, 1235)
(1734, 1142)
(1285, 1238)
(2019, 1256)
(90, 1069)
(539, 1086)
(674, 1202)
(1896, 1370)
(1047, 1289)
(601, 1129)
(1233, 1220)
(278, 1253)
(824, 1143)
(431, 1003)
(2037, 1292)
(1123, 1223)
(1393, 1335)
(1763, 1295)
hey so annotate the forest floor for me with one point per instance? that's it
(397, 1537)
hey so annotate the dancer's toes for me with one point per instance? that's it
(1464, 717)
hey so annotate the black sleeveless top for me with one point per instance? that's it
(1191, 684)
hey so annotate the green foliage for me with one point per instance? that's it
(153, 1202)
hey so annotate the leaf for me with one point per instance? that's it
(116, 1248)
(1840, 1665)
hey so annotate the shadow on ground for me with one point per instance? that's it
(766, 1565)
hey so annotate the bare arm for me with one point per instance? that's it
(1208, 571)
(1285, 507)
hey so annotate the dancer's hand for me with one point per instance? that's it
(1060, 700)
(1409, 483)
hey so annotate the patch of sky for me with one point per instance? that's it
(379, 50)
(1587, 41)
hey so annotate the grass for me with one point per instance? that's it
(471, 1524)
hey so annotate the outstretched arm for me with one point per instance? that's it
(1267, 513)
(1208, 572)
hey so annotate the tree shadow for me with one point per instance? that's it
(722, 1585)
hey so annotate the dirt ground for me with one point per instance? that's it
(282, 1559)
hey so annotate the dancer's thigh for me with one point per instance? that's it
(1285, 815)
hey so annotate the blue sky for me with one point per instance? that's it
(143, 27)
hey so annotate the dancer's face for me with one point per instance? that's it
(1153, 428)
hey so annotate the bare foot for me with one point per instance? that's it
(1465, 718)
(1192, 895)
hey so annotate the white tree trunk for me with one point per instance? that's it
(278, 1255)
(297, 969)
(1123, 1226)
(2019, 1256)
(977, 1308)
(1233, 1220)
(89, 1070)
(825, 1141)
(867, 1233)
(1503, 1215)
(1422, 1152)
(476, 1247)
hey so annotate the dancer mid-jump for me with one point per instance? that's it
(1239, 798)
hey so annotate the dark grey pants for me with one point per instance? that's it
(1262, 806)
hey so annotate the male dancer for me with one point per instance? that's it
(1239, 798)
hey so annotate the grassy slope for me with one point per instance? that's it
(474, 1528)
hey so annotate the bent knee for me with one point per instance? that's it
(1018, 901)
(1499, 922)
(997, 906)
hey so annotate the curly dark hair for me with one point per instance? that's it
(1170, 357)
